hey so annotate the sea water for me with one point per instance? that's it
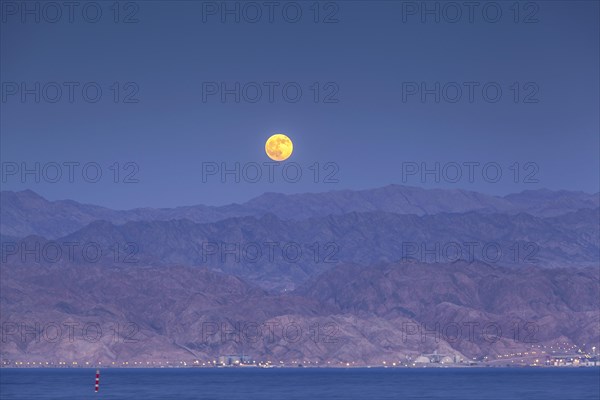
(303, 383)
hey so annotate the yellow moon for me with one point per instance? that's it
(279, 147)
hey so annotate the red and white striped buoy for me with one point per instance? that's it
(97, 387)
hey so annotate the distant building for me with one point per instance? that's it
(591, 362)
(233, 360)
(576, 360)
(435, 358)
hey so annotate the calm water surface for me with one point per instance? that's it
(303, 383)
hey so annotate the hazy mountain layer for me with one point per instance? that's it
(26, 213)
(277, 253)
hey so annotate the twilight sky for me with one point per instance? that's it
(369, 113)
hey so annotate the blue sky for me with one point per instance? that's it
(372, 66)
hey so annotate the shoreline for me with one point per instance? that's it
(455, 367)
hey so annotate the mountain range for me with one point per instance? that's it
(351, 313)
(338, 277)
(27, 213)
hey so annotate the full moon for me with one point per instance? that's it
(279, 147)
